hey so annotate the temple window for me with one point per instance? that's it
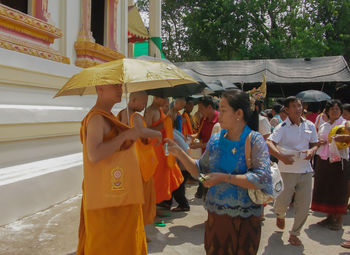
(20, 5)
(97, 39)
(98, 20)
(29, 33)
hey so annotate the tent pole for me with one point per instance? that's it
(322, 87)
(282, 91)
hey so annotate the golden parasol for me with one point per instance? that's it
(134, 74)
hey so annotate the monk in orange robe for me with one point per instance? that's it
(147, 157)
(111, 219)
(167, 176)
(187, 119)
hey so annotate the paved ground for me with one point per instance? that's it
(54, 231)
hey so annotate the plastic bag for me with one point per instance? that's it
(260, 197)
(334, 154)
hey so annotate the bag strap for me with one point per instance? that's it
(120, 126)
(248, 151)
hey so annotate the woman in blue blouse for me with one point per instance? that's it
(233, 225)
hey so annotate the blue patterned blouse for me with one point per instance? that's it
(226, 156)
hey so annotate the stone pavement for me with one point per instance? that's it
(54, 231)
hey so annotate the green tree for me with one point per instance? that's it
(254, 29)
(174, 35)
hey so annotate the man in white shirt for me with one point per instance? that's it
(294, 142)
(264, 124)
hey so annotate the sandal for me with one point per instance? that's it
(159, 223)
(180, 209)
(324, 222)
(335, 226)
(345, 244)
(280, 223)
(294, 240)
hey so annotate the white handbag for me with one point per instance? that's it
(257, 195)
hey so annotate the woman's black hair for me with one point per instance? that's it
(207, 100)
(331, 103)
(238, 99)
(277, 108)
(269, 113)
(259, 104)
(289, 100)
(346, 107)
(314, 107)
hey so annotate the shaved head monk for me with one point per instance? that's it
(147, 158)
(111, 214)
(167, 176)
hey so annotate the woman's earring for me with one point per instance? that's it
(237, 119)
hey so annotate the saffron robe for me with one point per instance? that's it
(186, 125)
(168, 176)
(148, 162)
(111, 230)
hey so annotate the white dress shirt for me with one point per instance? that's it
(293, 139)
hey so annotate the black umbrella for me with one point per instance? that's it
(309, 96)
(183, 90)
(216, 87)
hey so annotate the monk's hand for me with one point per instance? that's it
(173, 148)
(213, 179)
(158, 138)
(133, 133)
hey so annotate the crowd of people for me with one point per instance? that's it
(141, 162)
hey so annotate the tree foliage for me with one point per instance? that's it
(254, 29)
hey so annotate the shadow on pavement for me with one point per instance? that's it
(176, 235)
(275, 240)
(323, 235)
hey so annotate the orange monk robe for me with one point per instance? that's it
(186, 125)
(168, 176)
(112, 230)
(148, 162)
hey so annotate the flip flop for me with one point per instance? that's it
(324, 222)
(294, 240)
(159, 223)
(180, 209)
(335, 226)
(280, 223)
(345, 244)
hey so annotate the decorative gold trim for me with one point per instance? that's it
(14, 76)
(95, 52)
(10, 43)
(84, 63)
(25, 24)
(27, 131)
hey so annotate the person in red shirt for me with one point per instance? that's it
(208, 108)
